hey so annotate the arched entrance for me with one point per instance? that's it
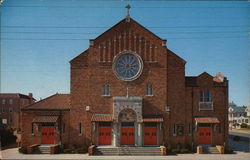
(127, 119)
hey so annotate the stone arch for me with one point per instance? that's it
(127, 115)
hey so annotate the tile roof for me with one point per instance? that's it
(54, 102)
(207, 120)
(102, 118)
(153, 119)
(45, 119)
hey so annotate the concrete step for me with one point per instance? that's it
(211, 150)
(128, 151)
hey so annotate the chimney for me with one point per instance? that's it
(30, 95)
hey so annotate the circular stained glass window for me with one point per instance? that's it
(127, 65)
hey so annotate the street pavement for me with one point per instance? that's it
(241, 149)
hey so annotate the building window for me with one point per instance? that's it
(174, 130)
(190, 129)
(205, 96)
(180, 130)
(11, 101)
(63, 128)
(3, 101)
(10, 110)
(32, 129)
(149, 90)
(220, 129)
(10, 119)
(246, 120)
(80, 129)
(105, 90)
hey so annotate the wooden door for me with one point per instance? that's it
(127, 136)
(48, 135)
(204, 136)
(150, 136)
(104, 136)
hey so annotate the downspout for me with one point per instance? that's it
(226, 105)
(192, 112)
(60, 132)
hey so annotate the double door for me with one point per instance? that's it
(127, 136)
(204, 136)
(150, 136)
(48, 135)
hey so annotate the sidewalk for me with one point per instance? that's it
(14, 154)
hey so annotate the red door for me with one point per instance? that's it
(104, 136)
(150, 136)
(204, 136)
(127, 136)
(48, 135)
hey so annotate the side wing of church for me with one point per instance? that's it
(129, 89)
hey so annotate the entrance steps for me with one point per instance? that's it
(210, 150)
(128, 151)
(42, 149)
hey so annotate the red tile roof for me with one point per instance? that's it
(155, 119)
(45, 119)
(102, 118)
(207, 120)
(54, 102)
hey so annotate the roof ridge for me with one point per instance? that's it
(41, 100)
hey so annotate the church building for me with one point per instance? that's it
(129, 89)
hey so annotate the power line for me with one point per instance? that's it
(75, 39)
(73, 33)
(14, 26)
(155, 7)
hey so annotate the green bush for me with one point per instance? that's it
(175, 150)
(81, 150)
(185, 150)
(228, 150)
(243, 125)
(68, 150)
(22, 150)
(236, 138)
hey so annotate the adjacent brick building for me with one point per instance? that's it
(10, 108)
(128, 88)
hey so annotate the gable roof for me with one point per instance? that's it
(123, 21)
(54, 102)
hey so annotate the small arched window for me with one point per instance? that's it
(149, 90)
(105, 90)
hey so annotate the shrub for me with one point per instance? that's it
(175, 150)
(81, 150)
(236, 138)
(185, 150)
(228, 150)
(68, 150)
(243, 125)
(22, 150)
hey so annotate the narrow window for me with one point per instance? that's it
(201, 96)
(11, 101)
(208, 96)
(80, 128)
(220, 129)
(190, 129)
(149, 90)
(10, 110)
(106, 90)
(63, 128)
(3, 101)
(32, 129)
(10, 120)
(174, 130)
(180, 130)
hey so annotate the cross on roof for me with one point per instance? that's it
(128, 16)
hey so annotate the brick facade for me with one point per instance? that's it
(175, 97)
(10, 108)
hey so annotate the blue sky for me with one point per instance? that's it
(40, 37)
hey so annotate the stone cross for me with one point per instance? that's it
(128, 16)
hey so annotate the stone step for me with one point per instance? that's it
(128, 151)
